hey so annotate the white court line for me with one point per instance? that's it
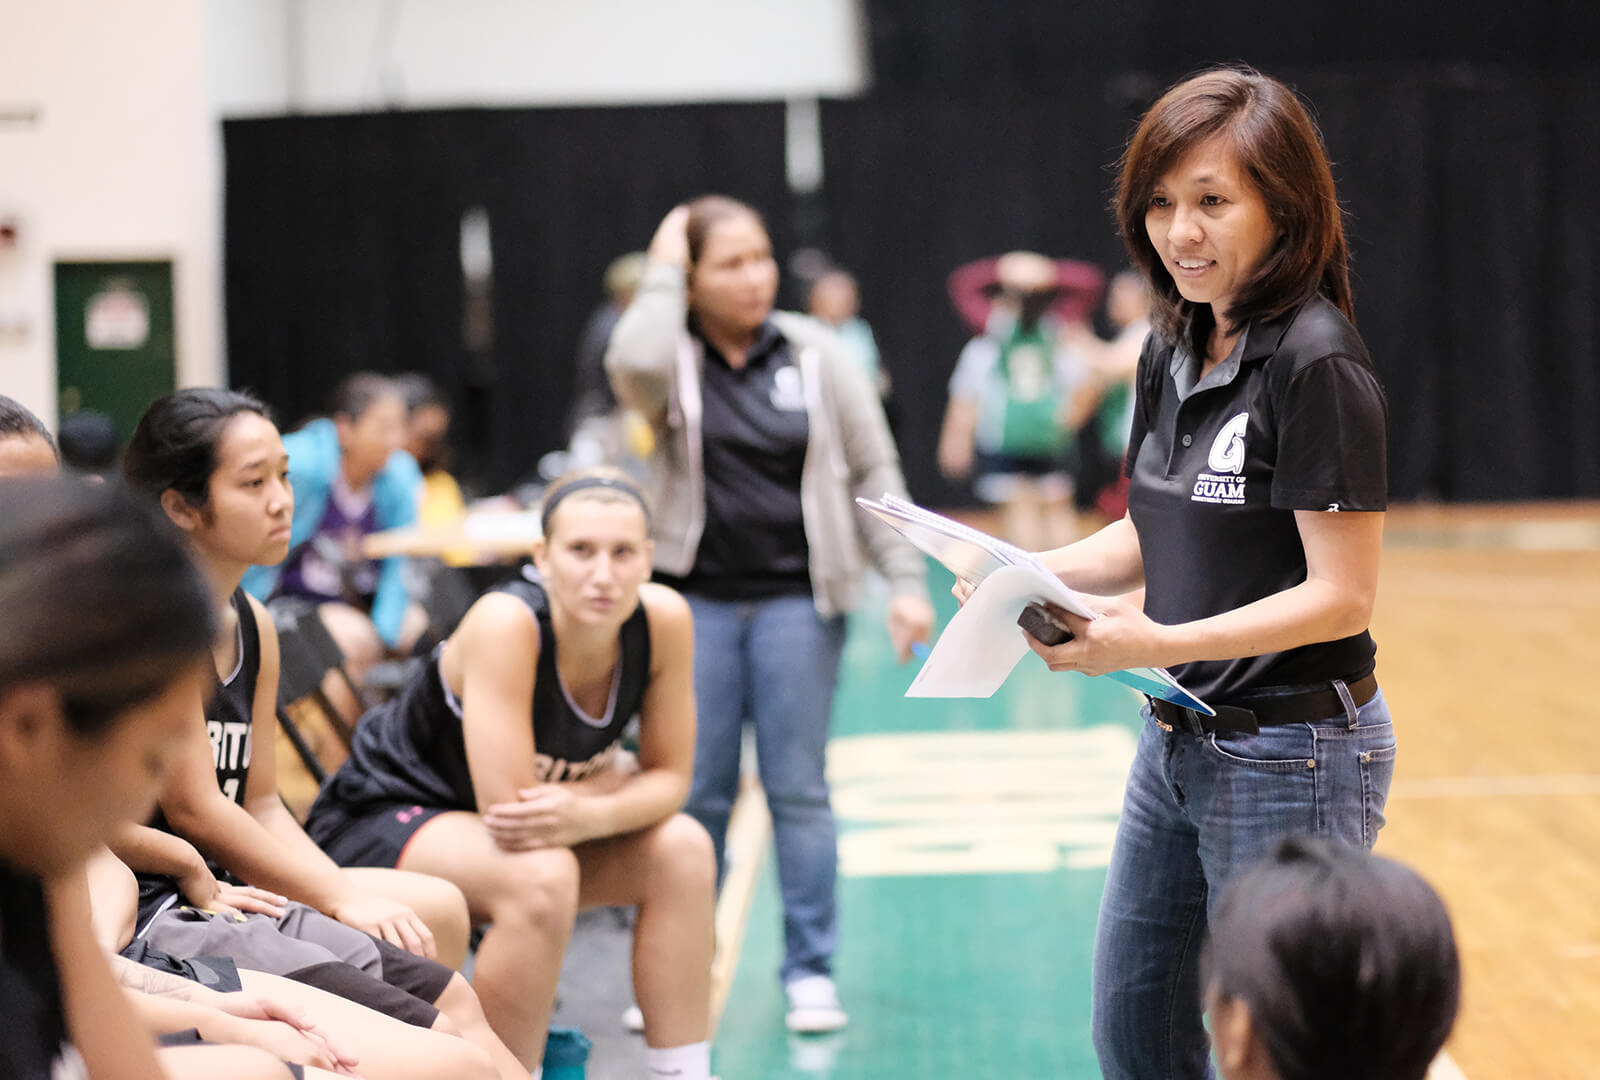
(750, 831)
(1479, 787)
(1512, 535)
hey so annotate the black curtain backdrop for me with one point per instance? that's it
(343, 248)
(1474, 235)
(1465, 166)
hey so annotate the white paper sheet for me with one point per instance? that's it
(981, 645)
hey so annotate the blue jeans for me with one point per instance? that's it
(773, 663)
(1196, 811)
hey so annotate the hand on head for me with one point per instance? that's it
(1021, 272)
(671, 241)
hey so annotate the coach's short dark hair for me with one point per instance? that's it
(1280, 149)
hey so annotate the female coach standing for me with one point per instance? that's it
(765, 430)
(1258, 484)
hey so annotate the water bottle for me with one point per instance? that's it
(566, 1051)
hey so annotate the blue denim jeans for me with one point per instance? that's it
(1196, 811)
(773, 663)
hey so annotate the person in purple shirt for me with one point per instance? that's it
(351, 479)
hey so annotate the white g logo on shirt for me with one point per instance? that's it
(1227, 450)
(788, 389)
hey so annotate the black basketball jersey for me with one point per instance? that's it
(232, 705)
(228, 726)
(411, 749)
(33, 1034)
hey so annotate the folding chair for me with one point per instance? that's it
(306, 654)
(445, 592)
(450, 592)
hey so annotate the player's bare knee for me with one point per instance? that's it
(680, 851)
(539, 888)
(477, 1064)
(442, 1023)
(459, 1057)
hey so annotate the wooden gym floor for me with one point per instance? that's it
(1488, 630)
(973, 958)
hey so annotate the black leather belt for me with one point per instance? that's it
(1252, 714)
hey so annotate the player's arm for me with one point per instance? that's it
(102, 1024)
(1104, 563)
(666, 724)
(261, 798)
(496, 651)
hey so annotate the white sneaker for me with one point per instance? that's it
(633, 1019)
(814, 1005)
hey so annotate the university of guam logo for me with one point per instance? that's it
(788, 389)
(1223, 484)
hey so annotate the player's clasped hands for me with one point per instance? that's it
(545, 815)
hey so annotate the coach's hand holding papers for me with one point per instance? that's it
(981, 645)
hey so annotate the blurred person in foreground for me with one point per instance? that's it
(766, 431)
(104, 644)
(1248, 562)
(1327, 963)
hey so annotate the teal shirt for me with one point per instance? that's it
(314, 459)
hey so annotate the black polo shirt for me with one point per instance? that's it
(753, 437)
(1294, 420)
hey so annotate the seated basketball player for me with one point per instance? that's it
(497, 768)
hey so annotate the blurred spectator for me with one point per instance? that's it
(1328, 963)
(835, 299)
(26, 446)
(603, 432)
(351, 478)
(89, 443)
(1007, 418)
(767, 431)
(428, 441)
(1101, 409)
(591, 391)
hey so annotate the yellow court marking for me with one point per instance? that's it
(749, 832)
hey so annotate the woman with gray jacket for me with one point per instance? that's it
(765, 434)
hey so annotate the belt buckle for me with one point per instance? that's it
(1193, 724)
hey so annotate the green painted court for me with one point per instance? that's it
(974, 836)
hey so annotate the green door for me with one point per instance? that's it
(115, 347)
